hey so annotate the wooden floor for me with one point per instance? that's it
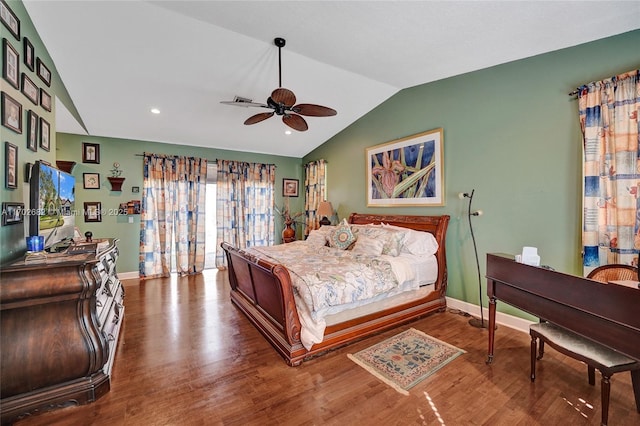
(187, 356)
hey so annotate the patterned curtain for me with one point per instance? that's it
(172, 222)
(609, 112)
(244, 205)
(315, 187)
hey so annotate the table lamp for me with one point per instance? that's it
(325, 210)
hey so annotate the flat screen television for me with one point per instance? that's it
(53, 204)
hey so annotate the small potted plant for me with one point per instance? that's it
(289, 219)
(115, 179)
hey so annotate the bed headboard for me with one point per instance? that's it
(437, 225)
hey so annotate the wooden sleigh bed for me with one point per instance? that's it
(263, 291)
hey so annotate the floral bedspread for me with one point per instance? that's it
(324, 277)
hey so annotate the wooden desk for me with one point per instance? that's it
(605, 313)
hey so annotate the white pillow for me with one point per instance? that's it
(391, 238)
(420, 243)
(367, 245)
(317, 238)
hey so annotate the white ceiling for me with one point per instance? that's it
(120, 58)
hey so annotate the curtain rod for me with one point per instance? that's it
(142, 155)
(575, 92)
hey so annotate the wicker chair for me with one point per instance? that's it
(614, 272)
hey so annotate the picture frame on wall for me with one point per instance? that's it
(290, 187)
(90, 153)
(29, 89)
(91, 180)
(12, 213)
(11, 113)
(43, 72)
(45, 100)
(10, 165)
(45, 134)
(407, 171)
(92, 211)
(32, 131)
(9, 19)
(29, 54)
(10, 64)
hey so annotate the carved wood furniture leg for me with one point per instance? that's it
(635, 380)
(492, 328)
(533, 357)
(605, 390)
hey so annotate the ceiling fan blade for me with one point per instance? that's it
(295, 122)
(312, 110)
(244, 104)
(258, 118)
(283, 96)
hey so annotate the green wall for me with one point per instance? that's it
(127, 153)
(512, 133)
(12, 237)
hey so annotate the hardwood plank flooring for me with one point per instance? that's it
(187, 356)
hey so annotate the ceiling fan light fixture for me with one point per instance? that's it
(283, 103)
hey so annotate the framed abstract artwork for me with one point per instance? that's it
(406, 172)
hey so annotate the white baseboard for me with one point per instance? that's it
(502, 319)
(129, 275)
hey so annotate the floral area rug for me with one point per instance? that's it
(405, 360)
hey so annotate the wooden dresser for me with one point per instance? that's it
(60, 318)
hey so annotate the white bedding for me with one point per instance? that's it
(425, 275)
(334, 283)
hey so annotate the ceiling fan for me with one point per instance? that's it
(283, 103)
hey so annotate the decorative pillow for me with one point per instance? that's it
(342, 237)
(391, 238)
(317, 238)
(416, 242)
(366, 245)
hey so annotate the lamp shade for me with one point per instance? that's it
(325, 209)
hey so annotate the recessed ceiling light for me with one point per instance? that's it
(155, 111)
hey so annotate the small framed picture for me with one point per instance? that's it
(290, 187)
(90, 153)
(11, 113)
(32, 131)
(92, 211)
(28, 54)
(91, 180)
(9, 19)
(12, 213)
(10, 64)
(43, 72)
(30, 89)
(45, 134)
(135, 189)
(11, 165)
(45, 100)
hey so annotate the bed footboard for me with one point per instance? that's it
(263, 291)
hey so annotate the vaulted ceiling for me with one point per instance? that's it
(119, 59)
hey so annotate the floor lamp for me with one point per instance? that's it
(475, 322)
